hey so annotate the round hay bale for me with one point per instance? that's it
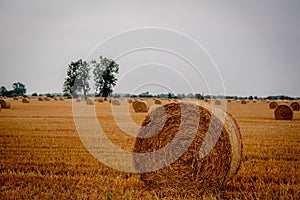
(109, 100)
(0, 107)
(5, 103)
(89, 101)
(140, 106)
(243, 102)
(47, 98)
(217, 102)
(190, 172)
(41, 99)
(25, 100)
(61, 99)
(130, 101)
(16, 98)
(116, 102)
(229, 100)
(206, 100)
(78, 100)
(273, 105)
(157, 101)
(283, 112)
(55, 98)
(295, 106)
(100, 100)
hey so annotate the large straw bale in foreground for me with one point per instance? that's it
(189, 172)
(283, 112)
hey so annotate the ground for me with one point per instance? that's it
(42, 156)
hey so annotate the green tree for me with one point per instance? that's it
(105, 76)
(3, 91)
(77, 78)
(19, 88)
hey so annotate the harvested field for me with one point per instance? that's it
(42, 156)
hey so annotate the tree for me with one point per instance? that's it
(19, 88)
(105, 76)
(3, 91)
(77, 78)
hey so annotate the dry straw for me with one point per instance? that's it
(140, 106)
(243, 102)
(273, 105)
(283, 112)
(116, 102)
(89, 101)
(5, 103)
(217, 102)
(295, 106)
(25, 100)
(189, 172)
(157, 101)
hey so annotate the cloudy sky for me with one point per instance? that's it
(254, 46)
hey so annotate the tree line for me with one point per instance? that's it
(78, 76)
(19, 89)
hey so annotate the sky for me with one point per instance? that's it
(230, 47)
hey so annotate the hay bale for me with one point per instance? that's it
(0, 106)
(157, 101)
(55, 98)
(25, 100)
(243, 102)
(130, 101)
(89, 101)
(61, 99)
(78, 100)
(283, 112)
(217, 102)
(100, 100)
(116, 102)
(140, 106)
(47, 98)
(41, 99)
(229, 100)
(5, 103)
(295, 106)
(273, 105)
(190, 172)
(16, 98)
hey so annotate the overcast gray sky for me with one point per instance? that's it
(255, 44)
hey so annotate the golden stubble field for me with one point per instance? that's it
(42, 156)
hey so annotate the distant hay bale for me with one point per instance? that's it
(295, 106)
(190, 172)
(140, 106)
(55, 98)
(229, 100)
(78, 100)
(116, 102)
(41, 99)
(217, 102)
(253, 101)
(206, 100)
(47, 98)
(5, 103)
(100, 100)
(16, 98)
(89, 101)
(157, 101)
(109, 100)
(273, 105)
(61, 98)
(129, 100)
(25, 100)
(283, 112)
(243, 102)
